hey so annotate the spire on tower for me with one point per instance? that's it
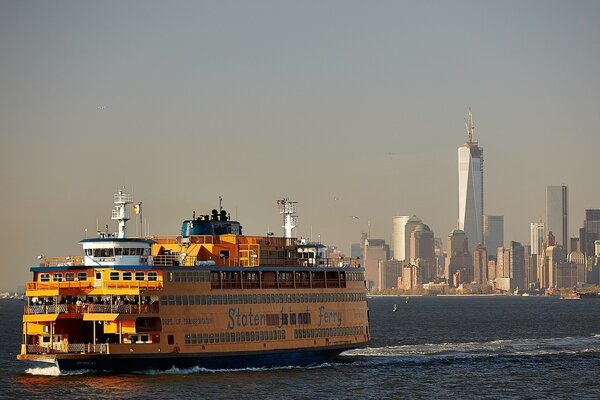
(470, 125)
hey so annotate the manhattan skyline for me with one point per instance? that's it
(353, 110)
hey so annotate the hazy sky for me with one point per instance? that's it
(348, 107)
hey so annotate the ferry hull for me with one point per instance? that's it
(211, 361)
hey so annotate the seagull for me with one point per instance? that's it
(354, 217)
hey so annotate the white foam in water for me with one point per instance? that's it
(541, 346)
(55, 371)
(196, 370)
(46, 371)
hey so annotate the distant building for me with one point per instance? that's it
(398, 237)
(557, 214)
(480, 265)
(493, 229)
(470, 188)
(422, 251)
(440, 257)
(566, 274)
(389, 271)
(411, 277)
(555, 255)
(538, 234)
(410, 226)
(511, 264)
(491, 270)
(590, 232)
(578, 259)
(458, 259)
(375, 251)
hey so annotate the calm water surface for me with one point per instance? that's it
(432, 347)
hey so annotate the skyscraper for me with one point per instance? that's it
(459, 263)
(590, 231)
(470, 188)
(557, 214)
(398, 237)
(538, 234)
(493, 233)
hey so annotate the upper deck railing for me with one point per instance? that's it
(66, 261)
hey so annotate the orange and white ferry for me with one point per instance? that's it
(209, 298)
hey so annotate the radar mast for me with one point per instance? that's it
(290, 219)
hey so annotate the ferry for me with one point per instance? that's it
(210, 298)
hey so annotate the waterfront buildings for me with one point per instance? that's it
(470, 188)
(557, 215)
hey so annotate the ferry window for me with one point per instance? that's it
(56, 277)
(125, 252)
(184, 300)
(88, 252)
(152, 276)
(178, 300)
(192, 299)
(126, 276)
(70, 276)
(118, 251)
(114, 276)
(144, 338)
(98, 275)
(171, 300)
(163, 300)
(194, 338)
(82, 276)
(44, 277)
(139, 276)
(146, 252)
(199, 299)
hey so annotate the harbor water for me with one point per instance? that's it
(429, 347)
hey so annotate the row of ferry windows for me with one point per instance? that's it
(118, 251)
(114, 276)
(128, 276)
(328, 332)
(192, 300)
(204, 276)
(233, 337)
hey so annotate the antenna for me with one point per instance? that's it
(290, 219)
(121, 212)
(470, 126)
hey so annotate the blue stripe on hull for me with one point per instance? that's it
(127, 363)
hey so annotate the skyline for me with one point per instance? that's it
(348, 108)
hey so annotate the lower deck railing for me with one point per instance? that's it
(92, 308)
(61, 347)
